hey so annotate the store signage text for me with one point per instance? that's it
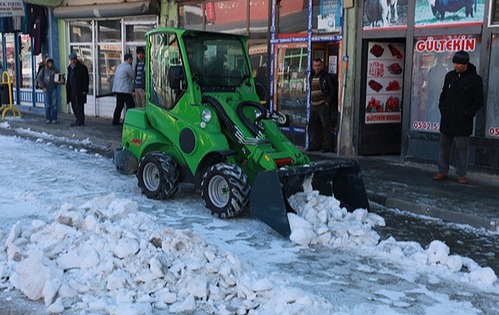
(446, 44)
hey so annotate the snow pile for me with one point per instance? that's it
(437, 255)
(321, 220)
(107, 257)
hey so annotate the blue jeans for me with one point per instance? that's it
(51, 103)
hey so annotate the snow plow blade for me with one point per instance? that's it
(271, 190)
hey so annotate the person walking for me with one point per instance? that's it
(139, 91)
(124, 79)
(77, 88)
(323, 100)
(50, 89)
(460, 99)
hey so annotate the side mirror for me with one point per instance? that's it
(175, 76)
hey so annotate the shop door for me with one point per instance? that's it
(380, 114)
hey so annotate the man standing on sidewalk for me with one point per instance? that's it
(323, 100)
(461, 98)
(123, 87)
(139, 91)
(77, 88)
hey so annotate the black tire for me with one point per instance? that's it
(158, 176)
(225, 190)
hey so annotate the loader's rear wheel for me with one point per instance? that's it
(158, 176)
(225, 190)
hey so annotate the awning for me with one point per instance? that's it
(107, 10)
(44, 3)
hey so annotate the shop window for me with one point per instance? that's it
(137, 32)
(109, 31)
(495, 13)
(85, 55)
(492, 117)
(190, 16)
(293, 16)
(80, 31)
(432, 61)
(291, 82)
(110, 57)
(165, 64)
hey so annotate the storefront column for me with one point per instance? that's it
(346, 131)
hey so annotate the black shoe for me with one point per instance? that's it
(117, 124)
(311, 149)
(76, 124)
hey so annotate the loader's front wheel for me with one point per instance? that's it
(225, 190)
(158, 175)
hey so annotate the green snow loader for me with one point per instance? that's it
(204, 124)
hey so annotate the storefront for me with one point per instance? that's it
(284, 38)
(302, 31)
(405, 54)
(101, 33)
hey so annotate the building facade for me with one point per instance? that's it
(404, 56)
(389, 65)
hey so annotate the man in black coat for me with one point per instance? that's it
(77, 88)
(461, 98)
(323, 103)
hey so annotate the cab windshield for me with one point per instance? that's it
(216, 61)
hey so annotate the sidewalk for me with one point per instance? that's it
(406, 186)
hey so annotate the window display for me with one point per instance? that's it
(492, 123)
(432, 61)
(384, 82)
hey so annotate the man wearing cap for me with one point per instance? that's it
(124, 79)
(46, 81)
(140, 81)
(460, 99)
(77, 88)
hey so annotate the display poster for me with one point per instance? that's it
(492, 110)
(10, 8)
(383, 14)
(384, 82)
(439, 13)
(432, 60)
(329, 17)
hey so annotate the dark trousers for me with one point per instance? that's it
(121, 100)
(461, 154)
(78, 107)
(319, 126)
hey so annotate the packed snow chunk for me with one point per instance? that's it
(126, 247)
(294, 301)
(57, 307)
(302, 232)
(483, 276)
(454, 263)
(130, 309)
(437, 253)
(186, 306)
(262, 285)
(31, 274)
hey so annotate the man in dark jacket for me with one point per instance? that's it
(323, 102)
(77, 88)
(461, 98)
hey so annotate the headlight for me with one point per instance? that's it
(206, 115)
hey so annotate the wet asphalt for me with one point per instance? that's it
(397, 189)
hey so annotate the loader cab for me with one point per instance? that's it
(166, 76)
(217, 62)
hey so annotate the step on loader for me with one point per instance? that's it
(204, 124)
